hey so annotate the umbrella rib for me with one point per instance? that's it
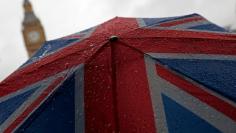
(135, 49)
(113, 76)
(141, 52)
(114, 87)
(85, 49)
(196, 38)
(229, 36)
(97, 52)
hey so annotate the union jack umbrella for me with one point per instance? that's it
(144, 75)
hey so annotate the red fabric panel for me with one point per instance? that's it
(183, 45)
(99, 115)
(133, 95)
(198, 92)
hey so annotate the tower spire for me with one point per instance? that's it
(29, 17)
(27, 5)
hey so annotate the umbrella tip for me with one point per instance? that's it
(113, 38)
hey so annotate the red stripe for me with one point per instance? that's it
(132, 91)
(163, 33)
(48, 66)
(197, 92)
(183, 45)
(65, 58)
(34, 105)
(182, 21)
(100, 94)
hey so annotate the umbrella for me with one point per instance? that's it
(145, 75)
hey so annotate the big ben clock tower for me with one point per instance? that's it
(32, 30)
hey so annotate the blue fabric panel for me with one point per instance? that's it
(181, 120)
(54, 45)
(154, 21)
(218, 75)
(209, 27)
(9, 106)
(50, 47)
(56, 115)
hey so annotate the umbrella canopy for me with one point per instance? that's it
(145, 75)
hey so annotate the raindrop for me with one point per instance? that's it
(67, 65)
(97, 99)
(104, 98)
(108, 125)
(80, 114)
(93, 119)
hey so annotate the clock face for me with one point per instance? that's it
(33, 36)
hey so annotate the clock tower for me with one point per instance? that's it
(32, 30)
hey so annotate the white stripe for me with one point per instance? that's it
(44, 85)
(194, 30)
(26, 104)
(206, 89)
(197, 56)
(158, 108)
(79, 100)
(21, 91)
(204, 111)
(192, 56)
(141, 22)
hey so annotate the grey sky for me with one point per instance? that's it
(63, 17)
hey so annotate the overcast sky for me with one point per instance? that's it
(63, 17)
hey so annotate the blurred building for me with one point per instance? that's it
(32, 29)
